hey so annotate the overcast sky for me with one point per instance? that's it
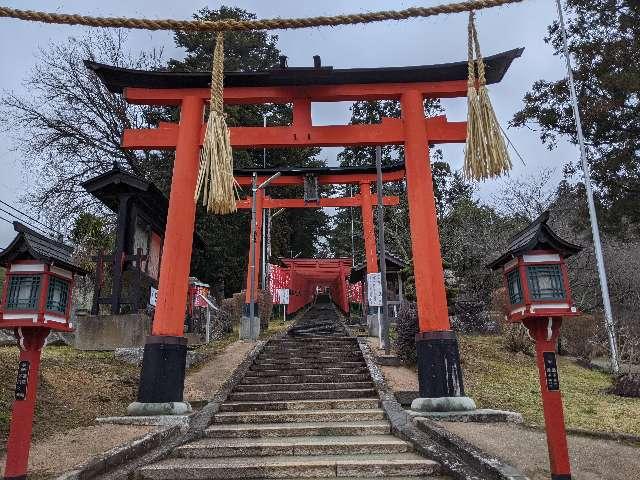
(410, 42)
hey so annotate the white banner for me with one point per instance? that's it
(374, 289)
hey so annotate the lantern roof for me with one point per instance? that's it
(108, 187)
(393, 264)
(31, 245)
(117, 79)
(537, 236)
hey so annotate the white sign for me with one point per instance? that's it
(374, 289)
(283, 296)
(153, 297)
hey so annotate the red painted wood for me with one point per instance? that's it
(368, 228)
(425, 242)
(551, 400)
(354, 201)
(174, 270)
(332, 179)
(290, 94)
(19, 442)
(302, 134)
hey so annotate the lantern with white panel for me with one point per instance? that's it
(538, 295)
(36, 299)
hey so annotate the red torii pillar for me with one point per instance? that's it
(439, 371)
(370, 251)
(162, 377)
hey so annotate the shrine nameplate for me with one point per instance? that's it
(551, 371)
(23, 380)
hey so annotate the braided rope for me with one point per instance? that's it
(217, 75)
(237, 25)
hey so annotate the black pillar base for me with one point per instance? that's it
(163, 365)
(557, 476)
(439, 372)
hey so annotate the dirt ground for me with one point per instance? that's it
(526, 450)
(398, 378)
(62, 451)
(205, 382)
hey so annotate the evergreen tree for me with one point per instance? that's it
(604, 41)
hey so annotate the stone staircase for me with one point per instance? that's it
(306, 409)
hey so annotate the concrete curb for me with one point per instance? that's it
(459, 459)
(121, 462)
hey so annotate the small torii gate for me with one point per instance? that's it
(162, 377)
(362, 176)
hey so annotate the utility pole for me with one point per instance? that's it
(384, 324)
(595, 229)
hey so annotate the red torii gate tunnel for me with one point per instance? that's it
(306, 274)
(162, 377)
(362, 176)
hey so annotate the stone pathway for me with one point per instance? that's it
(306, 409)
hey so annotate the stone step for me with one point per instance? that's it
(297, 387)
(342, 404)
(345, 377)
(312, 445)
(306, 365)
(308, 358)
(267, 430)
(304, 395)
(307, 371)
(378, 465)
(322, 347)
(300, 416)
(320, 339)
(276, 372)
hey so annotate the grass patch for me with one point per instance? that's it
(276, 325)
(74, 388)
(496, 378)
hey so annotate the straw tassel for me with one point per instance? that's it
(215, 179)
(486, 154)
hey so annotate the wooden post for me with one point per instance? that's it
(425, 241)
(368, 228)
(163, 364)
(176, 261)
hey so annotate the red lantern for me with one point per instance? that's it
(36, 299)
(539, 296)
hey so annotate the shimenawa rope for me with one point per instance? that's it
(486, 154)
(215, 178)
(262, 24)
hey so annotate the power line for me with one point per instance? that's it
(39, 230)
(28, 216)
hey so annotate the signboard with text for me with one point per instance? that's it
(283, 296)
(374, 289)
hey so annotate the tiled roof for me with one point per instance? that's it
(29, 243)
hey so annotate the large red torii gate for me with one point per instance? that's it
(162, 377)
(362, 176)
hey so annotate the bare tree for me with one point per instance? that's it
(526, 197)
(68, 126)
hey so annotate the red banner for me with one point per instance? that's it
(280, 278)
(354, 292)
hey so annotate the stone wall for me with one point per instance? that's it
(108, 332)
